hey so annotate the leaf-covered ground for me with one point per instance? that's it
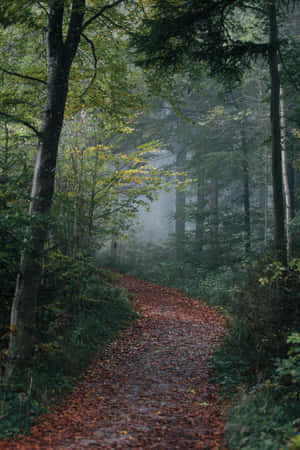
(151, 390)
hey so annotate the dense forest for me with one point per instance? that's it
(159, 139)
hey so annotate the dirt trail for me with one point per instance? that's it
(151, 390)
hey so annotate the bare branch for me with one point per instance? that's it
(99, 13)
(22, 122)
(42, 6)
(255, 8)
(117, 25)
(26, 77)
(91, 43)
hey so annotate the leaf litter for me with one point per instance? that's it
(150, 390)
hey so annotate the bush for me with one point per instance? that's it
(79, 314)
(268, 416)
(261, 421)
(158, 264)
(265, 310)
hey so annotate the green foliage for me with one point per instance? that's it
(158, 263)
(265, 309)
(79, 314)
(262, 420)
(264, 313)
(14, 220)
(268, 416)
(179, 34)
(288, 369)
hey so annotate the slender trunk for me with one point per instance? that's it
(214, 214)
(6, 147)
(91, 217)
(60, 57)
(180, 207)
(279, 228)
(292, 184)
(79, 206)
(286, 185)
(266, 199)
(92, 200)
(113, 252)
(199, 214)
(74, 233)
(4, 164)
(246, 193)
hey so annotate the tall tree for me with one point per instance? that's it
(61, 49)
(213, 33)
(180, 204)
(60, 56)
(279, 227)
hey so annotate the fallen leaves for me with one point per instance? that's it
(151, 389)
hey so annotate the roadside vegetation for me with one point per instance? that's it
(104, 108)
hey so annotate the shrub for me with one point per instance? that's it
(73, 325)
(268, 416)
(265, 310)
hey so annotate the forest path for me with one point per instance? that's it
(151, 390)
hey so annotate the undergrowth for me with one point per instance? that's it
(80, 312)
(258, 363)
(159, 264)
(266, 417)
(260, 356)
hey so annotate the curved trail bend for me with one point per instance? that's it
(151, 390)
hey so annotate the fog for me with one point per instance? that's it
(157, 224)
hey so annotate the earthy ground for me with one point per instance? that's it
(151, 390)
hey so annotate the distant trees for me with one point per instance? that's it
(219, 138)
(216, 34)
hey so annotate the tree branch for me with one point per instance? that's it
(22, 122)
(26, 77)
(91, 43)
(75, 26)
(99, 13)
(255, 8)
(115, 24)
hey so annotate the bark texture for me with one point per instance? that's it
(279, 226)
(60, 57)
(286, 183)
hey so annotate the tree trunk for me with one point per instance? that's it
(60, 57)
(286, 184)
(292, 184)
(214, 214)
(92, 204)
(180, 207)
(266, 199)
(4, 164)
(246, 194)
(279, 228)
(199, 213)
(113, 252)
